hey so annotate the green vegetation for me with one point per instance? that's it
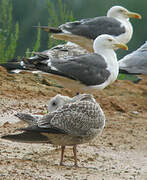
(28, 13)
(121, 76)
(8, 32)
(37, 43)
(127, 77)
(36, 46)
(58, 14)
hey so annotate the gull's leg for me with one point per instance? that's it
(62, 155)
(75, 155)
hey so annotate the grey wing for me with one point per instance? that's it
(76, 119)
(47, 126)
(93, 27)
(136, 62)
(89, 69)
(143, 47)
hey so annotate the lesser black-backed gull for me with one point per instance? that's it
(71, 124)
(96, 70)
(83, 32)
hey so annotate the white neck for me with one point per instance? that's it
(125, 37)
(105, 52)
(113, 66)
(110, 57)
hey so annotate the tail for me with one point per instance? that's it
(28, 118)
(125, 71)
(27, 137)
(13, 64)
(49, 29)
(25, 63)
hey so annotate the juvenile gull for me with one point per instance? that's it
(60, 51)
(135, 62)
(71, 124)
(83, 32)
(96, 70)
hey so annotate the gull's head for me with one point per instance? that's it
(122, 13)
(106, 41)
(57, 102)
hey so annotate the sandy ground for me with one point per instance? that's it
(120, 153)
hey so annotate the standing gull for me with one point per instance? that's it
(71, 124)
(96, 70)
(83, 32)
(135, 63)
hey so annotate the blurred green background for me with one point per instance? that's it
(29, 12)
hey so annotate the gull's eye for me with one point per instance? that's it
(110, 40)
(121, 10)
(54, 104)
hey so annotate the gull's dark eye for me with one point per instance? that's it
(110, 40)
(54, 104)
(121, 10)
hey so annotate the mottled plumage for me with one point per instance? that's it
(71, 124)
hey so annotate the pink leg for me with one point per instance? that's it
(62, 155)
(75, 155)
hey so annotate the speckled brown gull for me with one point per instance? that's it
(71, 124)
(83, 32)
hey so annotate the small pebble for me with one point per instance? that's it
(135, 112)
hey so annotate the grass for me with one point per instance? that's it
(9, 33)
(58, 14)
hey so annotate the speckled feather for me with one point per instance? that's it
(76, 119)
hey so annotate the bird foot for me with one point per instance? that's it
(76, 166)
(61, 164)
